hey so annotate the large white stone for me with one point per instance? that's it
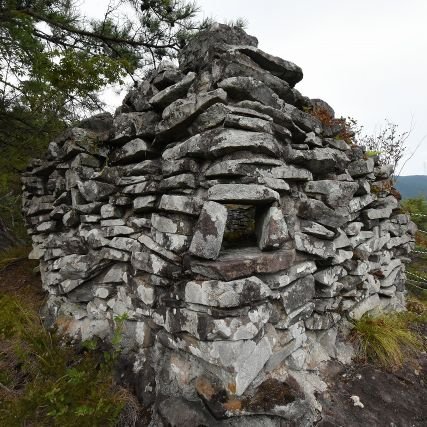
(209, 231)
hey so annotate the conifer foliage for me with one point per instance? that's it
(54, 61)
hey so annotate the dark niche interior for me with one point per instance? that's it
(240, 227)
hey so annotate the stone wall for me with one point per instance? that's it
(128, 216)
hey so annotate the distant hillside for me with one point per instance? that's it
(412, 186)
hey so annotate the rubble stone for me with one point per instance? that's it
(223, 214)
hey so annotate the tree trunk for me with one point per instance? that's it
(7, 239)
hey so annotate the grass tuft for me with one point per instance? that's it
(44, 381)
(387, 339)
(13, 254)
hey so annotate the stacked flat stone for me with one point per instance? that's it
(132, 215)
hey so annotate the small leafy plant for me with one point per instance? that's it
(372, 153)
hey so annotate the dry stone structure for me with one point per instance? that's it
(233, 225)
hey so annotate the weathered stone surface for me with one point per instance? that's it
(353, 228)
(205, 327)
(179, 412)
(292, 173)
(172, 241)
(200, 51)
(358, 203)
(297, 294)
(231, 265)
(241, 88)
(110, 211)
(339, 144)
(177, 182)
(71, 219)
(172, 224)
(317, 230)
(177, 167)
(236, 64)
(240, 167)
(285, 70)
(219, 142)
(209, 231)
(320, 322)
(341, 240)
(320, 161)
(149, 243)
(215, 293)
(167, 77)
(253, 124)
(133, 151)
(79, 266)
(274, 183)
(365, 306)
(100, 123)
(242, 193)
(154, 264)
(231, 140)
(146, 187)
(334, 193)
(361, 167)
(330, 275)
(242, 360)
(170, 94)
(145, 167)
(112, 222)
(314, 246)
(94, 191)
(284, 278)
(377, 213)
(181, 204)
(272, 229)
(117, 230)
(115, 255)
(92, 219)
(177, 115)
(317, 211)
(134, 125)
(144, 203)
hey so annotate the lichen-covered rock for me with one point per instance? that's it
(248, 88)
(272, 231)
(177, 115)
(209, 231)
(238, 193)
(286, 70)
(170, 94)
(215, 293)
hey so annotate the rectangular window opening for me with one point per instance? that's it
(240, 227)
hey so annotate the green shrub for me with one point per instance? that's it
(417, 208)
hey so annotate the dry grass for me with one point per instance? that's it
(388, 339)
(14, 254)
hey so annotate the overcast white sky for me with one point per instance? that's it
(366, 58)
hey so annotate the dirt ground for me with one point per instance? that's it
(392, 399)
(396, 399)
(20, 279)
